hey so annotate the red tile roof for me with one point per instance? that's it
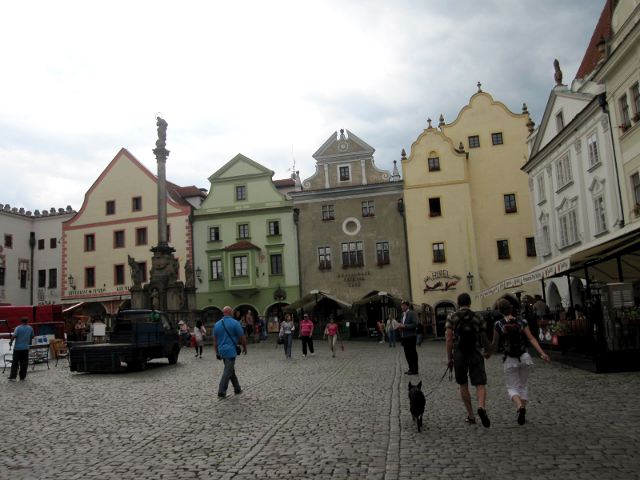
(602, 30)
(241, 245)
(285, 182)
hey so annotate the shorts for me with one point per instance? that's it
(469, 366)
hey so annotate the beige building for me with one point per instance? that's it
(467, 206)
(118, 219)
(353, 262)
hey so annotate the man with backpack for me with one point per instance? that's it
(465, 333)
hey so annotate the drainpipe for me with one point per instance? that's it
(32, 244)
(401, 210)
(296, 215)
(602, 99)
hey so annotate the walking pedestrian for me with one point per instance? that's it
(199, 332)
(392, 330)
(513, 332)
(286, 333)
(306, 335)
(465, 331)
(407, 329)
(22, 335)
(380, 328)
(185, 336)
(331, 333)
(227, 335)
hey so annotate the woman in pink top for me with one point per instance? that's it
(306, 334)
(331, 332)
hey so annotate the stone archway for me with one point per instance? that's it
(554, 300)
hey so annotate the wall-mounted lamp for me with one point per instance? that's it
(72, 282)
(470, 280)
(199, 274)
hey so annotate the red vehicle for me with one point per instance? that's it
(44, 319)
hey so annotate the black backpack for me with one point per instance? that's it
(513, 339)
(466, 332)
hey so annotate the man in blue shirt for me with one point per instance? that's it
(22, 335)
(227, 334)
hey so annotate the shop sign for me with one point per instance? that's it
(87, 291)
(354, 279)
(440, 280)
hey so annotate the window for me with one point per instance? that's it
(563, 172)
(368, 209)
(496, 138)
(53, 243)
(382, 253)
(89, 277)
(546, 240)
(8, 241)
(568, 228)
(141, 236)
(438, 253)
(23, 278)
(214, 234)
(324, 258)
(274, 227)
(143, 268)
(53, 278)
(624, 112)
(89, 242)
(474, 141)
(345, 175)
(216, 269)
(635, 98)
(327, 212)
(241, 192)
(434, 164)
(110, 207)
(352, 254)
(542, 195)
(592, 147)
(118, 239)
(510, 203)
(531, 246)
(136, 204)
(635, 187)
(559, 121)
(118, 274)
(276, 264)
(600, 215)
(434, 207)
(503, 249)
(240, 266)
(41, 244)
(243, 230)
(42, 278)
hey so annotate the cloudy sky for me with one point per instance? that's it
(271, 80)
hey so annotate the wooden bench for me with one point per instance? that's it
(37, 354)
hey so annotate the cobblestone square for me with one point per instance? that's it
(314, 417)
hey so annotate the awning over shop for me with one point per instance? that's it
(314, 296)
(611, 259)
(376, 297)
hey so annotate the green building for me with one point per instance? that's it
(245, 243)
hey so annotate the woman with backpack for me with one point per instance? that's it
(513, 332)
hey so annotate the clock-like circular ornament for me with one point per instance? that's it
(343, 146)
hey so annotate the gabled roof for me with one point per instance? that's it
(602, 31)
(241, 245)
(337, 146)
(260, 170)
(284, 182)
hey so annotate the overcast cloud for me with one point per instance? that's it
(270, 80)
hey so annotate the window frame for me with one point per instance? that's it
(353, 254)
(139, 231)
(509, 205)
(241, 193)
(118, 271)
(368, 208)
(136, 202)
(623, 105)
(42, 278)
(8, 240)
(41, 244)
(324, 258)
(563, 169)
(635, 187)
(438, 252)
(635, 99)
(110, 207)
(559, 121)
(115, 239)
(568, 228)
(279, 264)
(473, 141)
(433, 164)
(52, 275)
(382, 253)
(432, 211)
(593, 152)
(340, 173)
(90, 280)
(216, 237)
(328, 212)
(53, 243)
(497, 138)
(503, 249)
(89, 246)
(217, 272)
(600, 214)
(241, 229)
(244, 266)
(273, 228)
(530, 247)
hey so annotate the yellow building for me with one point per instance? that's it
(118, 219)
(468, 210)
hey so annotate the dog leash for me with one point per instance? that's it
(448, 370)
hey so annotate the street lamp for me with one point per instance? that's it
(72, 282)
(470, 280)
(199, 274)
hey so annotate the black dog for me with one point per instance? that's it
(416, 403)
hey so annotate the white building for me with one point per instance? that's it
(31, 255)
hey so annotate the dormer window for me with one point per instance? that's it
(559, 121)
(344, 173)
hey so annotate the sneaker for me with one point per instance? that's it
(222, 395)
(482, 413)
(521, 416)
(238, 392)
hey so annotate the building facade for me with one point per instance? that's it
(31, 255)
(467, 206)
(245, 242)
(118, 221)
(351, 232)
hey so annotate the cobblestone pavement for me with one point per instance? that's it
(315, 417)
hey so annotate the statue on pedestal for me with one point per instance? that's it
(189, 277)
(136, 272)
(162, 133)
